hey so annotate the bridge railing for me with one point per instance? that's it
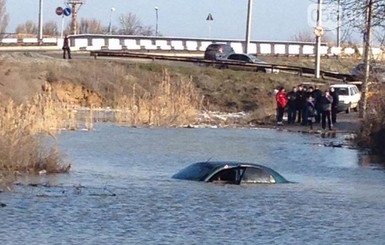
(91, 42)
(227, 64)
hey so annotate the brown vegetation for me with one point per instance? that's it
(122, 84)
(372, 134)
(22, 131)
(137, 93)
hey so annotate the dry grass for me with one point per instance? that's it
(372, 134)
(171, 102)
(23, 128)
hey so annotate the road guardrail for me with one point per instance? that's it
(226, 64)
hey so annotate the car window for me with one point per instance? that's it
(228, 176)
(342, 91)
(257, 175)
(352, 91)
(233, 57)
(244, 58)
(196, 171)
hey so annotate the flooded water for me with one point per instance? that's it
(120, 191)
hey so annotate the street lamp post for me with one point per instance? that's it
(156, 22)
(110, 25)
(40, 36)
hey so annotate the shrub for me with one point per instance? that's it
(372, 133)
(22, 131)
(170, 102)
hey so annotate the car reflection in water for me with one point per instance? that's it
(230, 173)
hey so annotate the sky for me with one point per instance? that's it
(271, 19)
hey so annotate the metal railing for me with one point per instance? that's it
(227, 64)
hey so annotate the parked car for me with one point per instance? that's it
(249, 58)
(348, 96)
(217, 51)
(377, 72)
(230, 173)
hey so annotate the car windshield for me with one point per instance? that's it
(197, 171)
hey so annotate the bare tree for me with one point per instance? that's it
(29, 27)
(353, 13)
(131, 25)
(50, 28)
(4, 17)
(91, 26)
(309, 36)
(364, 16)
(303, 36)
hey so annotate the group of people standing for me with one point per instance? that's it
(307, 105)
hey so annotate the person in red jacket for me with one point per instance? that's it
(281, 99)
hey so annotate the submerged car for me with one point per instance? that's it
(230, 173)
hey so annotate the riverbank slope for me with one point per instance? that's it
(106, 83)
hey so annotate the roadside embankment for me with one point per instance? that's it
(160, 94)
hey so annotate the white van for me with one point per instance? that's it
(348, 96)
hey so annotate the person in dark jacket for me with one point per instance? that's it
(299, 102)
(66, 47)
(334, 111)
(326, 106)
(292, 106)
(308, 93)
(317, 94)
(310, 110)
(281, 99)
(303, 105)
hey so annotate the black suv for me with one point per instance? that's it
(218, 51)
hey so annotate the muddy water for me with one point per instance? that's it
(120, 192)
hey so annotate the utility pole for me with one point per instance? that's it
(338, 24)
(318, 32)
(40, 36)
(248, 25)
(368, 40)
(75, 6)
(156, 20)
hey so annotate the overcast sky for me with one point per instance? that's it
(271, 19)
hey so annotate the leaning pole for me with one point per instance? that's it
(248, 26)
(368, 39)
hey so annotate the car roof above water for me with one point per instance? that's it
(201, 171)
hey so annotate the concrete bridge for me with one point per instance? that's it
(91, 42)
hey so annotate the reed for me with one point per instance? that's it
(172, 102)
(372, 133)
(23, 129)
